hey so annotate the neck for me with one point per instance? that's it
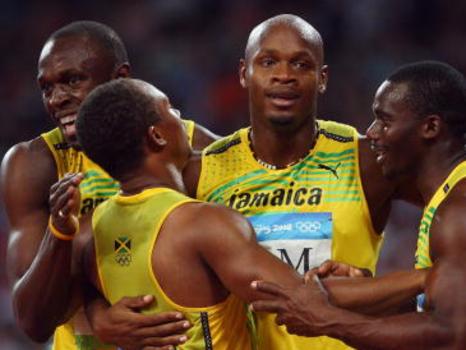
(279, 147)
(436, 168)
(168, 176)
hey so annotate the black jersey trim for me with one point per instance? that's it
(206, 331)
(224, 147)
(339, 138)
(61, 146)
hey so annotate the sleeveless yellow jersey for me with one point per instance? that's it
(125, 233)
(423, 259)
(95, 188)
(306, 213)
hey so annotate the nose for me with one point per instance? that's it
(283, 73)
(59, 97)
(373, 131)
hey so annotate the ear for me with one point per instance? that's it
(122, 71)
(242, 73)
(155, 139)
(431, 126)
(323, 79)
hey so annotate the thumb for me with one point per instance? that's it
(309, 276)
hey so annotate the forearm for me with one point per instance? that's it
(412, 331)
(375, 295)
(43, 293)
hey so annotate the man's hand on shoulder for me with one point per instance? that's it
(124, 325)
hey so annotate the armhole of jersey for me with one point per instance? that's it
(200, 181)
(168, 300)
(49, 144)
(95, 217)
(374, 233)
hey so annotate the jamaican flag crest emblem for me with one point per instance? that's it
(123, 250)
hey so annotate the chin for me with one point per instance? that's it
(282, 120)
(73, 142)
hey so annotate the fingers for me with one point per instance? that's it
(165, 342)
(268, 288)
(138, 302)
(326, 268)
(272, 306)
(167, 330)
(63, 190)
(355, 272)
(64, 202)
(310, 275)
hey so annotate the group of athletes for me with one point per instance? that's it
(133, 228)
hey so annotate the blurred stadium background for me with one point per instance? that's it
(190, 49)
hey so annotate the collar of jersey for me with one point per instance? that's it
(144, 194)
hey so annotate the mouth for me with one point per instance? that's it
(380, 153)
(283, 99)
(67, 124)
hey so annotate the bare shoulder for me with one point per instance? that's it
(203, 137)
(448, 230)
(212, 221)
(28, 166)
(33, 154)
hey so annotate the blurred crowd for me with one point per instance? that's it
(190, 49)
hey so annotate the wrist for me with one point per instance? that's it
(62, 235)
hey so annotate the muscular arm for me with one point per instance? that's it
(376, 296)
(308, 312)
(38, 264)
(228, 245)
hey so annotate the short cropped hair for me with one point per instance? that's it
(103, 35)
(435, 88)
(112, 124)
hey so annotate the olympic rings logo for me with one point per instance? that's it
(123, 259)
(308, 226)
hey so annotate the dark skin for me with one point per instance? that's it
(216, 261)
(69, 68)
(284, 74)
(431, 152)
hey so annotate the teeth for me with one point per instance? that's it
(68, 119)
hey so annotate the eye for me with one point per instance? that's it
(74, 80)
(46, 89)
(267, 62)
(301, 64)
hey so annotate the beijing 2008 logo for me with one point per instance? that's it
(308, 226)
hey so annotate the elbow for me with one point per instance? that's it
(35, 331)
(36, 327)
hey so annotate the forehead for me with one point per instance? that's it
(287, 39)
(391, 98)
(69, 52)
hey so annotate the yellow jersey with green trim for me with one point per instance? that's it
(423, 258)
(304, 214)
(95, 188)
(125, 234)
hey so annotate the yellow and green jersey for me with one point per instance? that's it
(96, 187)
(304, 214)
(125, 233)
(423, 257)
